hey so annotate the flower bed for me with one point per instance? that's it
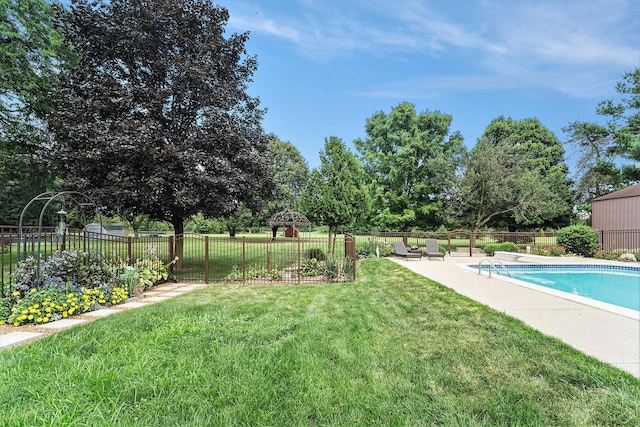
(73, 282)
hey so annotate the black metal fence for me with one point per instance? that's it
(619, 239)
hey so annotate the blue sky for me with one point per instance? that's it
(325, 66)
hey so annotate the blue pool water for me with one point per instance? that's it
(612, 284)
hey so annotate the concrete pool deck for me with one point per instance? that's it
(610, 337)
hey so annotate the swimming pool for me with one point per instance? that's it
(609, 284)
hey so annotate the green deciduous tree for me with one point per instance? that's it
(241, 220)
(624, 122)
(514, 176)
(290, 174)
(336, 195)
(156, 118)
(31, 54)
(409, 160)
(597, 173)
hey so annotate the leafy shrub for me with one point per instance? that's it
(508, 247)
(610, 255)
(618, 255)
(368, 250)
(5, 309)
(338, 270)
(492, 248)
(365, 252)
(130, 278)
(254, 271)
(311, 267)
(62, 270)
(73, 282)
(316, 253)
(143, 274)
(578, 239)
(554, 250)
(201, 225)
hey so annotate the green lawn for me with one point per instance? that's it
(394, 348)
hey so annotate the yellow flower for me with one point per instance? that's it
(39, 320)
(1, 322)
(30, 317)
(16, 324)
(33, 289)
(16, 293)
(45, 320)
(65, 314)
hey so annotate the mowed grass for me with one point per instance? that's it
(393, 348)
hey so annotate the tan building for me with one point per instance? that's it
(616, 216)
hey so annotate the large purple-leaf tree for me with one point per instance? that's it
(156, 119)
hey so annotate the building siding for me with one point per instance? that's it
(616, 214)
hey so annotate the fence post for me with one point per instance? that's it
(268, 254)
(130, 250)
(206, 259)
(350, 250)
(170, 253)
(299, 261)
(243, 266)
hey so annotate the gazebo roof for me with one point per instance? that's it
(288, 217)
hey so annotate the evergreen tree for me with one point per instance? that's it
(336, 195)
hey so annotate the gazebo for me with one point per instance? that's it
(294, 221)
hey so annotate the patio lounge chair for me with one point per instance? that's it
(399, 249)
(431, 249)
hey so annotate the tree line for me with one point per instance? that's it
(144, 106)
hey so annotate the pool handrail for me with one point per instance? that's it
(492, 263)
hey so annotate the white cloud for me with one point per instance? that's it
(564, 45)
(570, 32)
(581, 85)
